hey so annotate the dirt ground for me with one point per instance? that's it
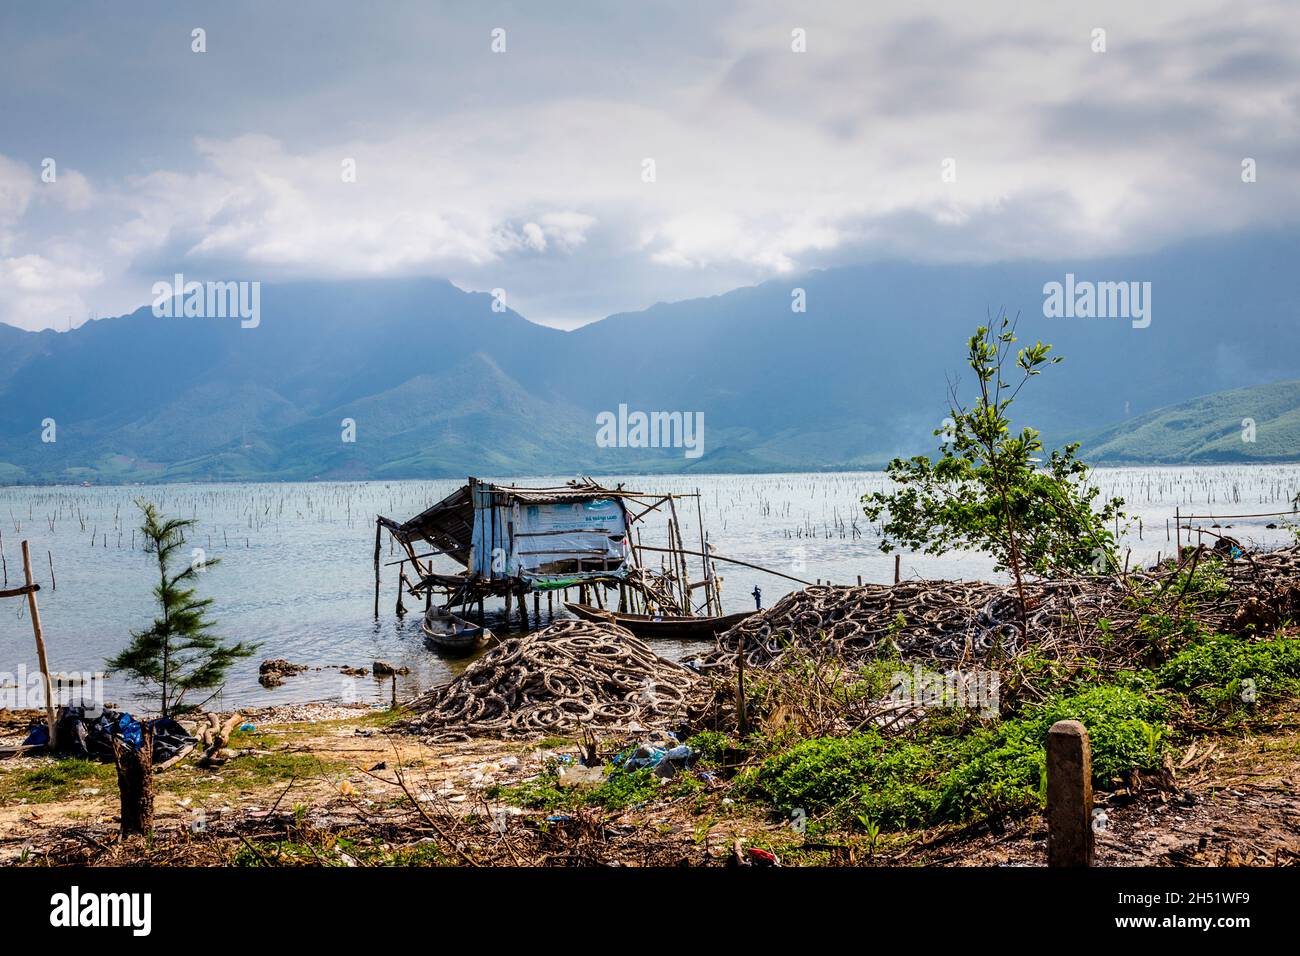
(338, 769)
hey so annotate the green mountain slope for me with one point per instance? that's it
(1211, 428)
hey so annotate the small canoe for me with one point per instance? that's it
(650, 626)
(447, 632)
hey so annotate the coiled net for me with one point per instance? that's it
(570, 675)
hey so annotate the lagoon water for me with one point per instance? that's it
(296, 560)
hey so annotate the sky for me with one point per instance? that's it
(783, 137)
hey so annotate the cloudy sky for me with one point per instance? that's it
(525, 169)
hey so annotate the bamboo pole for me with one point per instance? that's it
(744, 564)
(40, 645)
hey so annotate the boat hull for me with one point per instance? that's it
(447, 632)
(650, 627)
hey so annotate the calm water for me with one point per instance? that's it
(296, 570)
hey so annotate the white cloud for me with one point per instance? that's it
(71, 190)
(768, 161)
(36, 292)
(17, 184)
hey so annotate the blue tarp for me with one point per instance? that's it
(87, 736)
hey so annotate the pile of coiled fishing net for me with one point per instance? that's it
(974, 621)
(937, 620)
(572, 674)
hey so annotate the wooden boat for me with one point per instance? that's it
(650, 626)
(447, 632)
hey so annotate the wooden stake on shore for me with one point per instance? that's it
(40, 644)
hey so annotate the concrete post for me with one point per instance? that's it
(1069, 795)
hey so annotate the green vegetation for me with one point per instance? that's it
(178, 653)
(1256, 424)
(622, 789)
(986, 490)
(938, 776)
(309, 847)
(954, 768)
(54, 781)
(1225, 676)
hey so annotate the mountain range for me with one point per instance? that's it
(437, 383)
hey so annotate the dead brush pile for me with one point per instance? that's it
(956, 623)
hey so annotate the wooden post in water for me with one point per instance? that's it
(1069, 795)
(378, 546)
(40, 644)
(898, 568)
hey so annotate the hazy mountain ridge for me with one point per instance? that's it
(439, 384)
(1258, 424)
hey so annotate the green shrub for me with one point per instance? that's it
(997, 771)
(1123, 727)
(954, 777)
(861, 775)
(1214, 671)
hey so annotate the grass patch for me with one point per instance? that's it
(55, 780)
(335, 850)
(621, 790)
(241, 773)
